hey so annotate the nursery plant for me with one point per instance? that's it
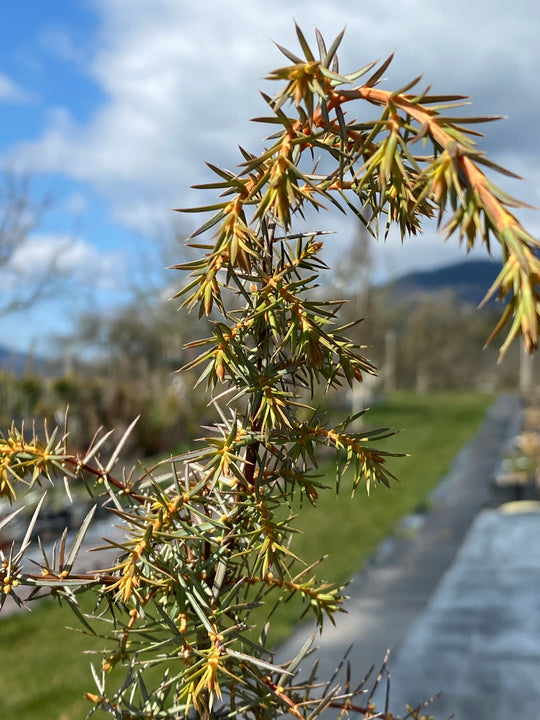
(206, 535)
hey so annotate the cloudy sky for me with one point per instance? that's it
(112, 107)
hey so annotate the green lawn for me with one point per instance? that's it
(433, 428)
(44, 674)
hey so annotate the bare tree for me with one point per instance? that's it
(22, 283)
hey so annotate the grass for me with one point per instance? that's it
(348, 529)
(44, 674)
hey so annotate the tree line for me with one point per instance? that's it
(113, 368)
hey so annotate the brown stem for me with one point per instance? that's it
(267, 263)
(102, 474)
(94, 577)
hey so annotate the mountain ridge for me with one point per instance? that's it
(469, 280)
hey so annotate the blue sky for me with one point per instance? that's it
(112, 107)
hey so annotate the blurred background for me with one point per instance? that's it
(110, 109)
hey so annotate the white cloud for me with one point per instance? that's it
(181, 80)
(85, 279)
(11, 93)
(73, 258)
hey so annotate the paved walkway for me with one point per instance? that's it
(387, 597)
(478, 640)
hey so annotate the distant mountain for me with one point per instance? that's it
(12, 360)
(469, 280)
(19, 363)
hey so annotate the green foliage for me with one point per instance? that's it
(207, 535)
(436, 427)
